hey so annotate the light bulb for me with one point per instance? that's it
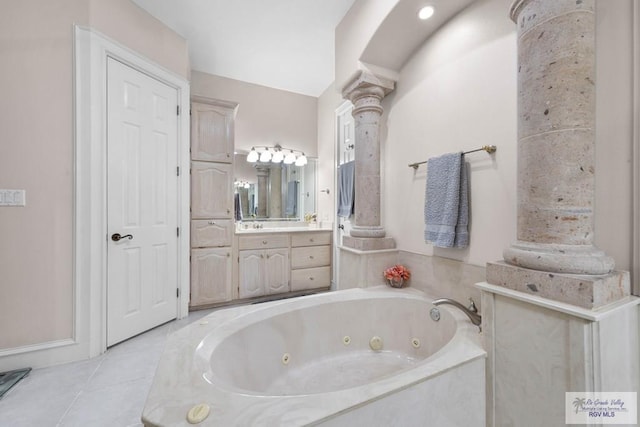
(253, 156)
(290, 158)
(246, 185)
(278, 156)
(426, 12)
(302, 160)
(265, 156)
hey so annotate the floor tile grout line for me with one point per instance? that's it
(62, 417)
(82, 389)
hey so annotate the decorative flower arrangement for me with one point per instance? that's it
(396, 275)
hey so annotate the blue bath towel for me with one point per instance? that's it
(446, 209)
(237, 207)
(346, 189)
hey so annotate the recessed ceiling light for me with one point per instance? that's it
(426, 12)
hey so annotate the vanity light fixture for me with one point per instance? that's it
(253, 155)
(426, 12)
(302, 160)
(265, 156)
(242, 184)
(276, 154)
(290, 158)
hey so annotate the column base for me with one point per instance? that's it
(555, 258)
(373, 231)
(586, 291)
(369, 243)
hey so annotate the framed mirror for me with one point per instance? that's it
(274, 191)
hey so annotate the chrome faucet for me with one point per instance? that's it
(471, 311)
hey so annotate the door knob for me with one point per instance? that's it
(117, 237)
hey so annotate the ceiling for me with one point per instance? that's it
(284, 44)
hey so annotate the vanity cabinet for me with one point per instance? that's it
(211, 190)
(211, 233)
(212, 132)
(212, 221)
(273, 263)
(263, 272)
(310, 260)
(263, 265)
(210, 276)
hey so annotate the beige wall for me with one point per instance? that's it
(614, 130)
(266, 116)
(36, 151)
(133, 27)
(353, 34)
(458, 92)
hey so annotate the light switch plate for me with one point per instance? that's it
(13, 198)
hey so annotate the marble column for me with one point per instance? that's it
(263, 190)
(556, 157)
(275, 193)
(366, 92)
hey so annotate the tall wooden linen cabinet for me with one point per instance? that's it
(212, 204)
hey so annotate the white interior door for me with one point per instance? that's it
(142, 186)
(346, 153)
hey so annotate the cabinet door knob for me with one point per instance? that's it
(211, 223)
(311, 240)
(310, 256)
(228, 255)
(264, 242)
(311, 278)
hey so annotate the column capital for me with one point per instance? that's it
(367, 84)
(544, 9)
(515, 9)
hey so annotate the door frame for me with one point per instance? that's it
(635, 263)
(344, 106)
(91, 50)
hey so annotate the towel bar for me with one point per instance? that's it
(488, 148)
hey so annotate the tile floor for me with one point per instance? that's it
(109, 390)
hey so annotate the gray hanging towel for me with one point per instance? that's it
(237, 207)
(346, 189)
(446, 207)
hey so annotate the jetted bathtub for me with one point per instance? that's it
(359, 357)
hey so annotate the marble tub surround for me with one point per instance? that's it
(556, 138)
(538, 349)
(363, 269)
(366, 92)
(187, 373)
(436, 276)
(443, 277)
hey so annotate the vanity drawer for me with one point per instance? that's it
(263, 241)
(211, 233)
(310, 278)
(311, 256)
(311, 239)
